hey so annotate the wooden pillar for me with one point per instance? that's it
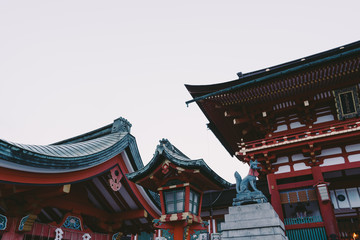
(211, 229)
(200, 203)
(187, 199)
(12, 234)
(162, 201)
(178, 231)
(326, 209)
(275, 195)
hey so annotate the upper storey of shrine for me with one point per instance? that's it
(285, 104)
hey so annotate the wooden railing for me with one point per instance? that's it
(303, 220)
(310, 133)
(308, 234)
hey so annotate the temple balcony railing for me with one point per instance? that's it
(337, 128)
(302, 220)
(305, 228)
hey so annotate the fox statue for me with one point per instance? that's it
(249, 180)
(246, 188)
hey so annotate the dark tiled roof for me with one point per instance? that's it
(170, 152)
(74, 154)
(79, 149)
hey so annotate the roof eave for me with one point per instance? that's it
(280, 70)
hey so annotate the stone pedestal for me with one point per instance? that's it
(253, 222)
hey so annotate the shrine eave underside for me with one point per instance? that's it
(281, 81)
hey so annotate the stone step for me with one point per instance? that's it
(269, 237)
(250, 208)
(266, 213)
(254, 232)
(255, 223)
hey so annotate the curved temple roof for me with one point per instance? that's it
(261, 92)
(75, 154)
(83, 173)
(174, 155)
(200, 92)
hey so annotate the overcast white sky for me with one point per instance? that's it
(69, 67)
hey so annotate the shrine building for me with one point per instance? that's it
(301, 121)
(82, 188)
(75, 189)
(181, 183)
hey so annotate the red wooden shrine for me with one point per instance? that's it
(301, 121)
(181, 183)
(75, 189)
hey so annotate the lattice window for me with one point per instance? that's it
(174, 201)
(194, 202)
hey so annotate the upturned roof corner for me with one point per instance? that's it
(171, 150)
(121, 125)
(166, 151)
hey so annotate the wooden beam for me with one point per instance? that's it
(137, 193)
(132, 214)
(240, 120)
(81, 207)
(11, 189)
(88, 209)
(231, 113)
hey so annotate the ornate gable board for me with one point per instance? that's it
(347, 102)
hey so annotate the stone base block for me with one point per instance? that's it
(254, 221)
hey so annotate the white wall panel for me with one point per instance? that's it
(354, 197)
(342, 198)
(354, 158)
(333, 161)
(283, 169)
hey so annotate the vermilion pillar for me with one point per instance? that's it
(275, 195)
(326, 209)
(179, 231)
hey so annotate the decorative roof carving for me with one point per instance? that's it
(171, 150)
(121, 125)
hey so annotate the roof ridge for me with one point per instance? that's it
(165, 144)
(120, 124)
